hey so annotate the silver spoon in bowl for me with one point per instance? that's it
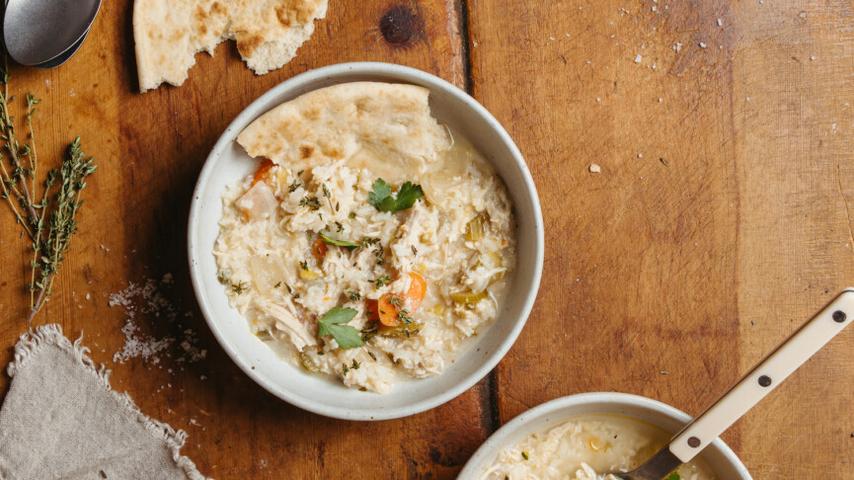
(764, 378)
(45, 33)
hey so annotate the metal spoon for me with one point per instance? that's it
(46, 32)
(65, 55)
(764, 378)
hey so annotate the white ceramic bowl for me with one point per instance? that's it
(717, 455)
(228, 163)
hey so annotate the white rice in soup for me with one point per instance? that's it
(371, 242)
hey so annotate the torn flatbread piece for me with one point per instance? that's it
(350, 121)
(169, 33)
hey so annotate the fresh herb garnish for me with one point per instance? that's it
(381, 197)
(334, 323)
(338, 243)
(368, 241)
(355, 365)
(311, 202)
(239, 288)
(403, 316)
(382, 281)
(396, 302)
(525, 455)
(294, 186)
(674, 476)
(354, 296)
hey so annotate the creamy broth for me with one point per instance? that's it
(458, 241)
(585, 448)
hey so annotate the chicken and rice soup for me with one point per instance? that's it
(368, 263)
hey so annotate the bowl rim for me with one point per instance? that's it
(499, 438)
(392, 72)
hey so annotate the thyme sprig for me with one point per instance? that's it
(49, 219)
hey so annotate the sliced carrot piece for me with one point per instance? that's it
(263, 170)
(387, 309)
(417, 290)
(319, 249)
(372, 310)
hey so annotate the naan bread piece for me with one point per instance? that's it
(169, 33)
(387, 127)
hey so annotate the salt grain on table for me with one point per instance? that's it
(147, 301)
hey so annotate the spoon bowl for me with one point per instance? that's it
(46, 32)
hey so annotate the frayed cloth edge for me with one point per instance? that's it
(31, 342)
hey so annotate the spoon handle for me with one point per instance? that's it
(770, 373)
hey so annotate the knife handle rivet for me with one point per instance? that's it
(839, 316)
(693, 442)
(765, 381)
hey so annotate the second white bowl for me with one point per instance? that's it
(723, 462)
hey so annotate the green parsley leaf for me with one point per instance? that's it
(334, 241)
(381, 191)
(674, 476)
(381, 198)
(334, 324)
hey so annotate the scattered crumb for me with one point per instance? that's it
(88, 296)
(638, 58)
(664, 372)
(660, 100)
(640, 155)
(812, 57)
(677, 47)
(595, 168)
(103, 247)
(720, 22)
(702, 44)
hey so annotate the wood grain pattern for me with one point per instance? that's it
(721, 219)
(150, 149)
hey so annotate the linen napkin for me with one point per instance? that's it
(61, 420)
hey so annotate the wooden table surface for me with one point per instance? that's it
(720, 221)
